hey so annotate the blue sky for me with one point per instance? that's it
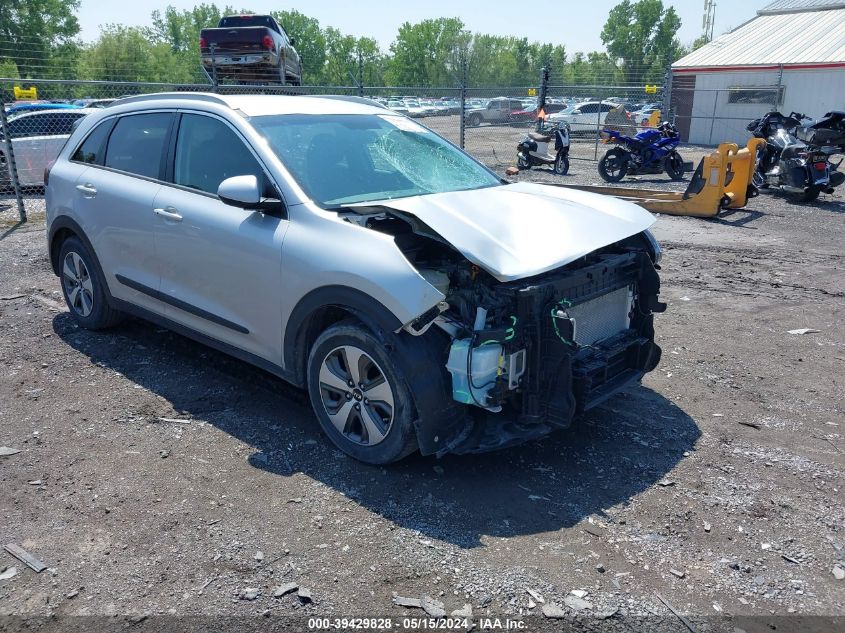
(575, 23)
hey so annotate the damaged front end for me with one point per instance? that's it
(523, 356)
(567, 340)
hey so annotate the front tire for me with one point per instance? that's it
(359, 395)
(522, 161)
(83, 287)
(561, 166)
(674, 166)
(613, 166)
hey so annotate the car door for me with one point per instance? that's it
(28, 147)
(588, 119)
(114, 203)
(221, 265)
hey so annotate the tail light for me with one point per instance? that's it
(203, 43)
(47, 172)
(820, 166)
(267, 43)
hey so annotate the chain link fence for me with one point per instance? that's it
(488, 123)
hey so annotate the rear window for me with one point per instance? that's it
(93, 147)
(137, 144)
(235, 21)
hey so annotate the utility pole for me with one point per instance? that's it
(708, 19)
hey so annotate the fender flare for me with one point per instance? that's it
(68, 223)
(368, 310)
(439, 421)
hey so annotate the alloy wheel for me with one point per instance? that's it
(356, 395)
(79, 288)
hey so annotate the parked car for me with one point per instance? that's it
(397, 106)
(497, 110)
(24, 108)
(423, 302)
(585, 118)
(37, 138)
(93, 103)
(250, 48)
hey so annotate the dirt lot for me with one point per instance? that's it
(159, 477)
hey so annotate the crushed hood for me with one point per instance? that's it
(524, 229)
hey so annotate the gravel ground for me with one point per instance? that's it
(157, 476)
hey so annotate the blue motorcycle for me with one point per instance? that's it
(649, 152)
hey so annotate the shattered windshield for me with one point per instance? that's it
(347, 158)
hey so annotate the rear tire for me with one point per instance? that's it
(561, 165)
(84, 287)
(474, 120)
(613, 166)
(674, 166)
(376, 429)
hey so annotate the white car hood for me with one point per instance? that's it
(524, 229)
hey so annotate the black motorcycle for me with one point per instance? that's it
(796, 158)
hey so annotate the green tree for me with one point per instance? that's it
(428, 53)
(128, 54)
(642, 34)
(309, 41)
(31, 31)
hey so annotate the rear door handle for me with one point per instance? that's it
(88, 190)
(169, 214)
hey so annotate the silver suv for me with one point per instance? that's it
(424, 303)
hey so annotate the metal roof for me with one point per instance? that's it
(793, 6)
(812, 36)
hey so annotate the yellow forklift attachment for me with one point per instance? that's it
(721, 181)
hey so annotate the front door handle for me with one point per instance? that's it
(88, 190)
(169, 214)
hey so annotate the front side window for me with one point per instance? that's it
(208, 152)
(136, 144)
(346, 158)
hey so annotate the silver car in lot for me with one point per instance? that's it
(423, 302)
(37, 138)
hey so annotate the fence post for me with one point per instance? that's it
(541, 99)
(776, 103)
(213, 47)
(667, 95)
(11, 165)
(713, 116)
(360, 74)
(463, 85)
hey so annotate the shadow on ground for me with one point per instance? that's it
(609, 456)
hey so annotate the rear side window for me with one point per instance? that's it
(208, 152)
(23, 126)
(92, 149)
(136, 144)
(59, 123)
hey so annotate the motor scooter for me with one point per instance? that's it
(549, 146)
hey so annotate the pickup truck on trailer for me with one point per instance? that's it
(250, 48)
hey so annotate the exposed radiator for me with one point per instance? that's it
(602, 317)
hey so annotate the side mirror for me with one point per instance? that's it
(576, 112)
(292, 42)
(244, 192)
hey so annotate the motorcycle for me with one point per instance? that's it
(650, 152)
(536, 149)
(796, 157)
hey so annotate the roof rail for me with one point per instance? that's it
(351, 99)
(196, 96)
